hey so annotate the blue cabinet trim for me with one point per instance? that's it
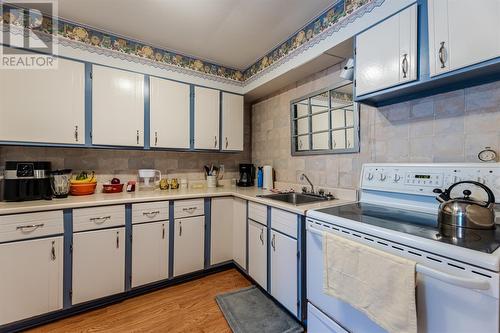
(128, 246)
(68, 257)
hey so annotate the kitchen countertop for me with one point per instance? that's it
(101, 199)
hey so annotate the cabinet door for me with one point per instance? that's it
(257, 253)
(169, 114)
(98, 264)
(386, 54)
(206, 118)
(284, 270)
(240, 232)
(117, 107)
(458, 38)
(46, 105)
(189, 245)
(221, 235)
(149, 252)
(31, 275)
(232, 122)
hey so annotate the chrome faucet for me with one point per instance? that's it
(303, 176)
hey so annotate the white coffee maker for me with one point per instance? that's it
(148, 179)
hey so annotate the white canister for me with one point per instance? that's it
(268, 182)
(211, 181)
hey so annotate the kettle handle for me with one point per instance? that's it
(491, 196)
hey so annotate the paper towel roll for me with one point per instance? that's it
(268, 183)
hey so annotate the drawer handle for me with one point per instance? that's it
(261, 236)
(53, 251)
(151, 214)
(273, 242)
(30, 227)
(100, 220)
(190, 210)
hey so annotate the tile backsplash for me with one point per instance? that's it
(449, 127)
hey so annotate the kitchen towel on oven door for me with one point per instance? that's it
(379, 284)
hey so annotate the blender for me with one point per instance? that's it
(60, 182)
(148, 179)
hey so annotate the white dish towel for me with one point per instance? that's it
(379, 284)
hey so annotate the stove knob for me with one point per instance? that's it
(382, 177)
(397, 178)
(369, 176)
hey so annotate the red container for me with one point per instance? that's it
(82, 188)
(112, 188)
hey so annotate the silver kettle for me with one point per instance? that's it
(458, 215)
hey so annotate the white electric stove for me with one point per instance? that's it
(458, 280)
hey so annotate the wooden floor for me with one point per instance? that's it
(188, 307)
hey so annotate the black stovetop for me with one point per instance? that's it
(414, 223)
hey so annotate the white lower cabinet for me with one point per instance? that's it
(149, 253)
(240, 232)
(189, 245)
(221, 233)
(98, 264)
(257, 252)
(31, 276)
(284, 270)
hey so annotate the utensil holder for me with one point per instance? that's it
(211, 181)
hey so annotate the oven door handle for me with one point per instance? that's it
(315, 231)
(453, 279)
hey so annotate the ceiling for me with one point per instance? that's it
(234, 33)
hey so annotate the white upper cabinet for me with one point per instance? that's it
(462, 33)
(386, 54)
(43, 105)
(117, 107)
(206, 118)
(169, 114)
(232, 121)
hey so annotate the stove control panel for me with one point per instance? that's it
(424, 178)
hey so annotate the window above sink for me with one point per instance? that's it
(325, 122)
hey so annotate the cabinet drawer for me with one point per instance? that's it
(187, 208)
(22, 226)
(257, 212)
(149, 212)
(98, 217)
(284, 222)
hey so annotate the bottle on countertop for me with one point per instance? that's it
(260, 178)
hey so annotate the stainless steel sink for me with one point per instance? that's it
(296, 198)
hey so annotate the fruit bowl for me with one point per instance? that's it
(82, 188)
(112, 188)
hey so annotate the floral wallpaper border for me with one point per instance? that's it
(86, 38)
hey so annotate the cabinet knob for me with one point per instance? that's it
(442, 55)
(117, 239)
(76, 133)
(273, 242)
(261, 236)
(215, 141)
(163, 231)
(156, 138)
(137, 136)
(227, 142)
(180, 229)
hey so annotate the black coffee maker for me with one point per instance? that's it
(247, 175)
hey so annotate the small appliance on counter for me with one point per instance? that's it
(60, 183)
(148, 179)
(25, 181)
(247, 175)
(268, 181)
